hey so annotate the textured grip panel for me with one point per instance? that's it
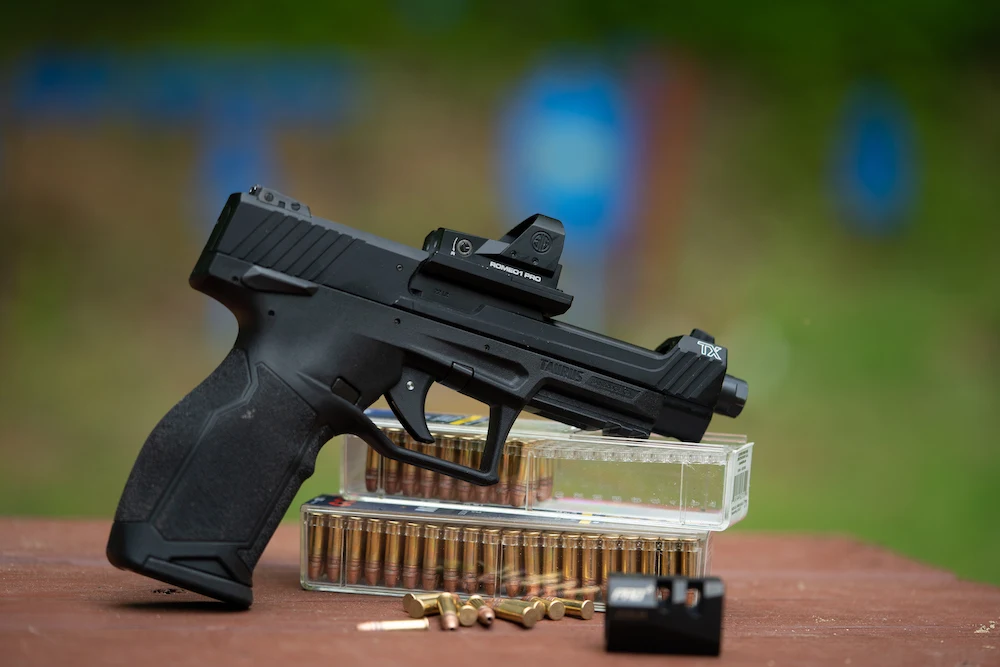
(170, 442)
(233, 481)
(214, 479)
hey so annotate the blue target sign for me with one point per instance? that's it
(568, 150)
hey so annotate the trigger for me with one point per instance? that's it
(407, 400)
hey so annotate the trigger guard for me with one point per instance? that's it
(365, 428)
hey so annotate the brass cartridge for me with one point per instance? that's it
(554, 608)
(392, 466)
(647, 558)
(421, 607)
(432, 546)
(532, 545)
(501, 491)
(483, 611)
(544, 473)
(428, 478)
(467, 614)
(535, 602)
(570, 565)
(407, 472)
(609, 560)
(447, 451)
(689, 561)
(590, 546)
(577, 608)
(410, 600)
(373, 552)
(355, 548)
(463, 490)
(491, 558)
(511, 574)
(449, 611)
(450, 563)
(317, 546)
(470, 559)
(334, 547)
(412, 533)
(551, 546)
(518, 473)
(372, 461)
(480, 494)
(630, 554)
(393, 626)
(517, 611)
(393, 552)
(668, 557)
(525, 602)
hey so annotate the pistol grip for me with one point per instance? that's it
(213, 480)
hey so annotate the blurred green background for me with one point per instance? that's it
(867, 322)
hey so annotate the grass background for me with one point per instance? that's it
(872, 362)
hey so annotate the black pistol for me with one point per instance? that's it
(331, 319)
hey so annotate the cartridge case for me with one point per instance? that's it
(392, 466)
(372, 461)
(413, 603)
(412, 543)
(526, 602)
(463, 490)
(630, 554)
(334, 547)
(449, 611)
(428, 478)
(316, 536)
(535, 602)
(432, 548)
(484, 613)
(467, 615)
(590, 547)
(394, 626)
(470, 559)
(408, 473)
(570, 565)
(501, 492)
(512, 562)
(544, 474)
(355, 548)
(450, 538)
(479, 494)
(554, 608)
(689, 557)
(577, 608)
(517, 611)
(420, 607)
(551, 547)
(610, 550)
(393, 552)
(647, 558)
(447, 451)
(491, 559)
(373, 551)
(668, 558)
(531, 542)
(518, 473)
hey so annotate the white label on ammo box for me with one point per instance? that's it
(741, 485)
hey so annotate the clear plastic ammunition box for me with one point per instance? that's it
(551, 468)
(375, 547)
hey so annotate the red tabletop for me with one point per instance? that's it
(789, 600)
